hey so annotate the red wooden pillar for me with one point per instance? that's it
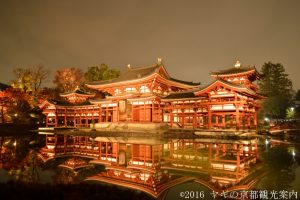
(217, 150)
(80, 113)
(160, 116)
(145, 111)
(86, 119)
(74, 120)
(194, 117)
(152, 112)
(237, 116)
(224, 149)
(106, 113)
(237, 112)
(65, 117)
(100, 149)
(171, 115)
(256, 151)
(132, 111)
(100, 114)
(152, 155)
(65, 143)
(145, 146)
(106, 149)
(238, 160)
(248, 121)
(47, 120)
(183, 116)
(93, 115)
(255, 119)
(56, 118)
(208, 117)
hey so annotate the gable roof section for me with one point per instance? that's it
(236, 87)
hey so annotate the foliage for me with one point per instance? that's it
(18, 105)
(49, 93)
(30, 80)
(290, 113)
(102, 72)
(297, 104)
(68, 79)
(276, 85)
(23, 79)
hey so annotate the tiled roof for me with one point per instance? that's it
(133, 73)
(130, 74)
(233, 70)
(66, 103)
(76, 91)
(185, 82)
(180, 95)
(3, 86)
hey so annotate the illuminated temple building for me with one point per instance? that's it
(149, 95)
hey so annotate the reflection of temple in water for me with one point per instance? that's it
(154, 165)
(227, 161)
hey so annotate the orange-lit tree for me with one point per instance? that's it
(68, 79)
(30, 80)
(19, 109)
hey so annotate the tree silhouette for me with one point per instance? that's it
(276, 85)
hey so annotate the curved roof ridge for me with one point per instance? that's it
(185, 82)
(144, 67)
(78, 91)
(233, 70)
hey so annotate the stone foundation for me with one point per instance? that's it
(128, 126)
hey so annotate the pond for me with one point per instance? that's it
(66, 166)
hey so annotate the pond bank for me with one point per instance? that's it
(138, 132)
(16, 129)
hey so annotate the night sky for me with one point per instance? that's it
(192, 37)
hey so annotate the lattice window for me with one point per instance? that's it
(130, 90)
(144, 89)
(117, 91)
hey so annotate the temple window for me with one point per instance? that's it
(117, 91)
(130, 90)
(144, 89)
(158, 90)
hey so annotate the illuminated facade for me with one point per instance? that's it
(150, 95)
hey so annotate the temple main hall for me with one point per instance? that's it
(149, 95)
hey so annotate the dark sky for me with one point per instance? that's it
(192, 37)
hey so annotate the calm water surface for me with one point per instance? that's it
(159, 168)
